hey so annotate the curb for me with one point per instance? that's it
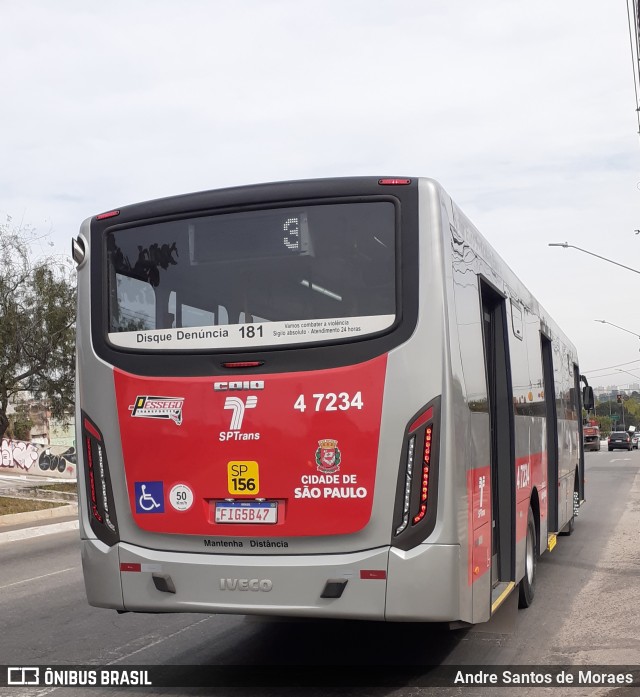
(28, 533)
(35, 516)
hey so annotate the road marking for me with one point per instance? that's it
(37, 578)
(152, 643)
(26, 533)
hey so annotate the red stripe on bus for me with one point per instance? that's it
(530, 472)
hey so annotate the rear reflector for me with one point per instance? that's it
(373, 574)
(124, 566)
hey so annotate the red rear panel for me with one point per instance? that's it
(306, 443)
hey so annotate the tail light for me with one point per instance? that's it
(417, 484)
(102, 513)
(424, 484)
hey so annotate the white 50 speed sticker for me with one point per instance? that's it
(181, 497)
(256, 334)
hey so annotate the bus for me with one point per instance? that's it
(319, 398)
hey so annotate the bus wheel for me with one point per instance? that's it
(528, 582)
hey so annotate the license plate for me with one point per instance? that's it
(254, 512)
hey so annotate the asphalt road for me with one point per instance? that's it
(586, 611)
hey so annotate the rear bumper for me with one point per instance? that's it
(421, 584)
(223, 583)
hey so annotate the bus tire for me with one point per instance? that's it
(527, 585)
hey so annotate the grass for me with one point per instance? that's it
(71, 488)
(9, 505)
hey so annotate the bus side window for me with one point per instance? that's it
(516, 319)
(135, 305)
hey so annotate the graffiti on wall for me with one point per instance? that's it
(34, 458)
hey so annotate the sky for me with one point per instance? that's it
(524, 112)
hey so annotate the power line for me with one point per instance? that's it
(595, 370)
(606, 375)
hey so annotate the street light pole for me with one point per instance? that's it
(566, 245)
(604, 321)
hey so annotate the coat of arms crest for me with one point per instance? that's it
(328, 456)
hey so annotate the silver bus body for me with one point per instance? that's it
(358, 561)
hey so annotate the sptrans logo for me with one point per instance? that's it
(237, 406)
(147, 407)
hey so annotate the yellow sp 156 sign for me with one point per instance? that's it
(243, 477)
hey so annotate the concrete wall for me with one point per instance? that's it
(22, 457)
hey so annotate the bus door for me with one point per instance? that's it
(499, 390)
(552, 434)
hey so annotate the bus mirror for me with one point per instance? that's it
(77, 250)
(587, 397)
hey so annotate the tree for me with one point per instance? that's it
(628, 413)
(606, 424)
(21, 424)
(37, 317)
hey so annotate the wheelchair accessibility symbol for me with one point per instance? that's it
(149, 497)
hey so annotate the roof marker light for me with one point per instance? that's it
(391, 181)
(110, 214)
